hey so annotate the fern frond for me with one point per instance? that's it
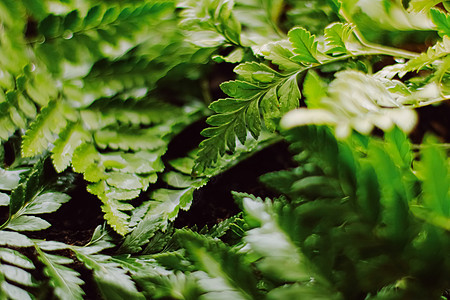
(434, 172)
(223, 265)
(422, 5)
(65, 281)
(437, 51)
(69, 139)
(29, 198)
(274, 240)
(49, 123)
(344, 110)
(305, 45)
(442, 21)
(15, 267)
(338, 39)
(74, 38)
(262, 89)
(126, 138)
(110, 278)
(102, 114)
(167, 203)
(202, 17)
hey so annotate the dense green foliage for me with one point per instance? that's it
(93, 95)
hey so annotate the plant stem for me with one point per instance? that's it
(379, 48)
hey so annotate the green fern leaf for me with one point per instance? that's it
(442, 21)
(65, 281)
(14, 239)
(30, 198)
(76, 38)
(200, 19)
(111, 279)
(281, 259)
(280, 54)
(223, 265)
(9, 179)
(7, 127)
(368, 193)
(337, 38)
(130, 138)
(112, 207)
(27, 223)
(17, 275)
(305, 46)
(422, 5)
(434, 172)
(437, 51)
(344, 110)
(16, 268)
(44, 130)
(399, 148)
(16, 258)
(72, 137)
(101, 114)
(395, 195)
(262, 89)
(313, 89)
(174, 285)
(166, 203)
(141, 234)
(10, 291)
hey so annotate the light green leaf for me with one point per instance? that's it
(305, 45)
(442, 21)
(422, 5)
(46, 203)
(44, 130)
(280, 54)
(28, 223)
(72, 137)
(64, 280)
(433, 53)
(314, 89)
(14, 292)
(51, 245)
(111, 279)
(436, 179)
(9, 179)
(289, 94)
(226, 268)
(17, 275)
(141, 234)
(14, 239)
(240, 89)
(357, 101)
(166, 203)
(281, 257)
(16, 258)
(124, 181)
(337, 36)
